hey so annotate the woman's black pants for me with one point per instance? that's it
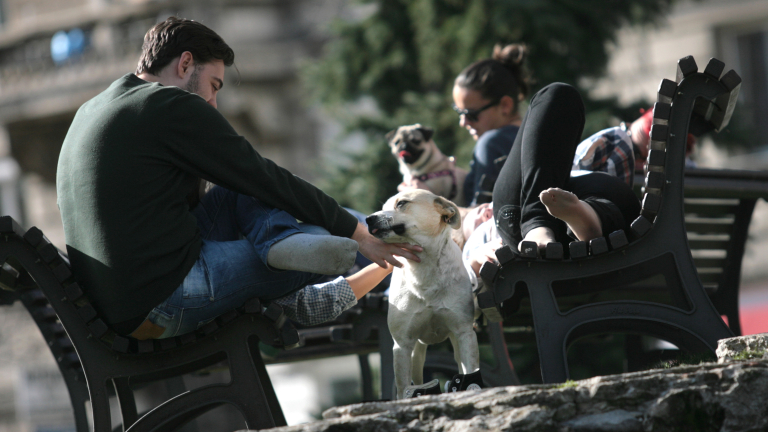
(541, 158)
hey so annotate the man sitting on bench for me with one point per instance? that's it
(130, 160)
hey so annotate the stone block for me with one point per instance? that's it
(742, 348)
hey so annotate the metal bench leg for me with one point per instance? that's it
(366, 377)
(503, 373)
(126, 401)
(102, 420)
(386, 344)
(256, 362)
(549, 338)
(78, 397)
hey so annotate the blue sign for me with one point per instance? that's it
(67, 45)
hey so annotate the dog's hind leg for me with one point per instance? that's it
(402, 365)
(418, 358)
(466, 351)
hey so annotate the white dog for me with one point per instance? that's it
(431, 300)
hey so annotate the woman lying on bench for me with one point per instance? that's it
(537, 199)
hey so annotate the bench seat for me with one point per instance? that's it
(96, 362)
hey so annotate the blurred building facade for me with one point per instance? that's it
(734, 31)
(56, 54)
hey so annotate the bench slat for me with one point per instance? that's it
(709, 263)
(707, 278)
(710, 210)
(709, 244)
(709, 225)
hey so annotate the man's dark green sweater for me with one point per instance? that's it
(130, 158)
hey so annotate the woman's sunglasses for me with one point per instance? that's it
(471, 114)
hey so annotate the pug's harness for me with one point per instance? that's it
(446, 172)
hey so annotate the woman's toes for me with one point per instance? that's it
(559, 202)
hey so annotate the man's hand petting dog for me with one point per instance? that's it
(381, 252)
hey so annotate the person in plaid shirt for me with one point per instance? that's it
(621, 150)
(315, 304)
(609, 151)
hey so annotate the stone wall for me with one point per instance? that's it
(728, 396)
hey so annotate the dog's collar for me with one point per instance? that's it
(436, 174)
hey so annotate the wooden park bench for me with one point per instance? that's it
(642, 282)
(96, 362)
(718, 210)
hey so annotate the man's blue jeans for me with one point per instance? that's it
(237, 232)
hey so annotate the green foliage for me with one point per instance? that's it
(406, 54)
(567, 384)
(749, 355)
(686, 359)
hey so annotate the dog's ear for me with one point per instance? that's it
(426, 133)
(390, 135)
(449, 212)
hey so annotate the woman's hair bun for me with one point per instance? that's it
(504, 74)
(511, 55)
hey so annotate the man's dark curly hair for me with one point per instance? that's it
(170, 38)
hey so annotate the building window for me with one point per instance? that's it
(747, 50)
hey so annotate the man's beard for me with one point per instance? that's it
(193, 84)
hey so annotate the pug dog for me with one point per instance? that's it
(421, 161)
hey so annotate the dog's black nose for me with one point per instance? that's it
(375, 223)
(378, 223)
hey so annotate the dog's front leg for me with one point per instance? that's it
(402, 365)
(466, 345)
(456, 352)
(418, 358)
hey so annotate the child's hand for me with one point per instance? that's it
(483, 254)
(366, 279)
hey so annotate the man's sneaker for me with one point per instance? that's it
(322, 254)
(430, 388)
(461, 382)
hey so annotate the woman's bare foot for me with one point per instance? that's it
(541, 236)
(578, 215)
